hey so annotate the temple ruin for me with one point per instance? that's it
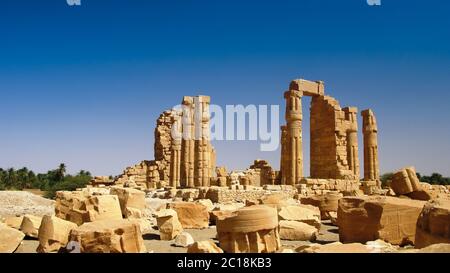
(185, 158)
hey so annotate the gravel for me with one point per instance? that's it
(18, 203)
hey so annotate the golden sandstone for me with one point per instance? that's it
(251, 230)
(254, 209)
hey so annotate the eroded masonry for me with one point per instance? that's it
(186, 159)
(252, 211)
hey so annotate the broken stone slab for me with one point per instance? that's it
(184, 239)
(363, 219)
(433, 225)
(207, 203)
(336, 247)
(54, 234)
(109, 236)
(168, 224)
(405, 181)
(302, 213)
(326, 203)
(132, 201)
(14, 221)
(204, 247)
(297, 231)
(191, 215)
(30, 225)
(10, 239)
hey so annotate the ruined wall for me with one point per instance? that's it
(330, 130)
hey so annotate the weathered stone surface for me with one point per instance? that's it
(54, 233)
(30, 225)
(132, 201)
(252, 230)
(191, 215)
(109, 236)
(391, 219)
(405, 181)
(297, 231)
(80, 207)
(207, 203)
(168, 224)
(204, 247)
(184, 239)
(14, 221)
(10, 239)
(302, 213)
(433, 225)
(216, 215)
(326, 203)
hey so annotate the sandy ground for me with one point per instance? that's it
(14, 203)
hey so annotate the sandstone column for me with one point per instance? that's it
(175, 160)
(370, 130)
(202, 172)
(294, 156)
(284, 152)
(352, 140)
(188, 143)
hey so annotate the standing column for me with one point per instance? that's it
(294, 168)
(351, 115)
(175, 158)
(284, 154)
(202, 173)
(370, 130)
(188, 142)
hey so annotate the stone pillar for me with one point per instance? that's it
(250, 230)
(370, 131)
(284, 152)
(351, 116)
(188, 143)
(294, 152)
(202, 171)
(175, 160)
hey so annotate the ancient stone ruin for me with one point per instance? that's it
(186, 203)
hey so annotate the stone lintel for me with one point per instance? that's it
(309, 88)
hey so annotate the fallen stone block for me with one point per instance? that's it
(184, 239)
(363, 219)
(302, 213)
(191, 215)
(132, 201)
(54, 234)
(14, 221)
(251, 230)
(30, 225)
(109, 236)
(168, 224)
(297, 231)
(405, 181)
(204, 247)
(326, 203)
(433, 225)
(10, 239)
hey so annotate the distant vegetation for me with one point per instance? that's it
(434, 178)
(50, 182)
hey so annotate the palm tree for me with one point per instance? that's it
(61, 172)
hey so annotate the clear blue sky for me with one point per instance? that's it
(84, 85)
